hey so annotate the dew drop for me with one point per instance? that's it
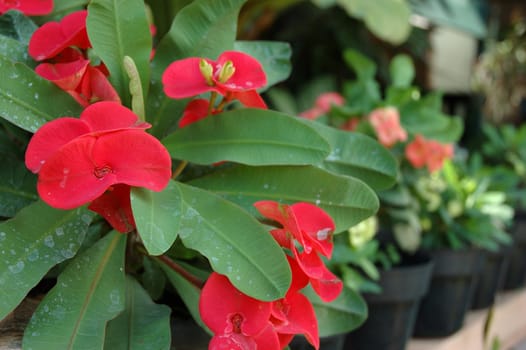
(16, 268)
(48, 241)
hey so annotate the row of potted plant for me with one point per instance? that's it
(443, 231)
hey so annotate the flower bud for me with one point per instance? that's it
(207, 70)
(226, 72)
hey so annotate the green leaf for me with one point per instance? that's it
(118, 28)
(89, 293)
(25, 97)
(17, 186)
(347, 200)
(63, 7)
(157, 215)
(188, 292)
(402, 71)
(143, 325)
(15, 25)
(360, 156)
(362, 96)
(273, 55)
(342, 315)
(204, 28)
(248, 136)
(234, 242)
(152, 278)
(387, 19)
(31, 243)
(364, 67)
(432, 124)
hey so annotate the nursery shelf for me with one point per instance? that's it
(507, 325)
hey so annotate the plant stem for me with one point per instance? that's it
(179, 169)
(196, 281)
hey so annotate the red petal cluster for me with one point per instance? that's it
(27, 7)
(241, 322)
(234, 75)
(63, 45)
(422, 152)
(96, 158)
(323, 105)
(309, 227)
(386, 123)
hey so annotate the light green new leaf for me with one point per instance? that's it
(204, 28)
(234, 242)
(31, 243)
(387, 19)
(118, 28)
(345, 313)
(143, 325)
(25, 98)
(89, 292)
(274, 56)
(402, 71)
(248, 136)
(360, 156)
(347, 200)
(157, 216)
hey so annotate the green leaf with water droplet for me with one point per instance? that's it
(157, 216)
(234, 242)
(89, 293)
(25, 97)
(35, 240)
(143, 325)
(347, 200)
(248, 136)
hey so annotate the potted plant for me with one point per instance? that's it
(143, 179)
(398, 121)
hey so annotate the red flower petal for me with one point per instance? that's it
(183, 78)
(28, 7)
(53, 37)
(282, 214)
(195, 110)
(232, 341)
(115, 206)
(66, 76)
(50, 138)
(96, 87)
(135, 158)
(317, 225)
(250, 98)
(110, 116)
(323, 281)
(299, 315)
(248, 75)
(67, 179)
(224, 309)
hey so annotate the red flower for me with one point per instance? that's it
(114, 205)
(54, 37)
(194, 111)
(421, 152)
(323, 105)
(386, 123)
(27, 7)
(77, 160)
(234, 75)
(237, 320)
(312, 228)
(294, 313)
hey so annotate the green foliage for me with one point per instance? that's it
(117, 29)
(24, 97)
(142, 325)
(345, 313)
(89, 293)
(30, 248)
(252, 137)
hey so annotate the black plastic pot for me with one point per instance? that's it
(515, 276)
(489, 278)
(443, 309)
(392, 313)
